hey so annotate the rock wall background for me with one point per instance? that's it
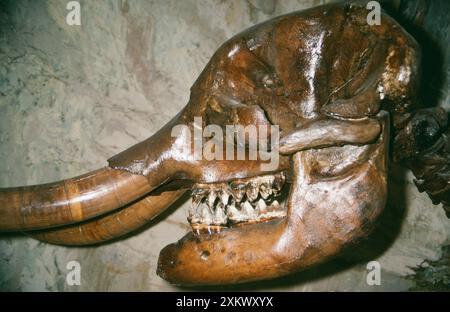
(73, 96)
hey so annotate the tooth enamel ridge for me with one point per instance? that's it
(238, 202)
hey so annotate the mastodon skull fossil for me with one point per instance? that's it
(334, 86)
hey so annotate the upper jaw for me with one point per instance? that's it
(253, 199)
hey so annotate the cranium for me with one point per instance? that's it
(329, 81)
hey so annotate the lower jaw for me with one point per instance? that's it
(223, 257)
(212, 229)
(229, 254)
(220, 255)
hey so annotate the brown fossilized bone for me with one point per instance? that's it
(334, 85)
(329, 206)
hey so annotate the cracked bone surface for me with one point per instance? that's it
(321, 75)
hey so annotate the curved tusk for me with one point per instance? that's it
(330, 132)
(87, 196)
(112, 226)
(69, 201)
(324, 216)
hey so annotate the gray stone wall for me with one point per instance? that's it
(73, 96)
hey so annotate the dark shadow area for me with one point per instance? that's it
(161, 217)
(427, 21)
(12, 235)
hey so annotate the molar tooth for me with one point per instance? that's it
(193, 216)
(219, 215)
(248, 210)
(211, 198)
(224, 196)
(252, 191)
(277, 184)
(196, 200)
(233, 214)
(238, 191)
(261, 207)
(193, 212)
(275, 206)
(278, 181)
(265, 190)
(206, 216)
(198, 195)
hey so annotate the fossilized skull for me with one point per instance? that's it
(329, 81)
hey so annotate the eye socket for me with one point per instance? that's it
(335, 161)
(426, 132)
(205, 255)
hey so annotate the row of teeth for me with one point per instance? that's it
(249, 200)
